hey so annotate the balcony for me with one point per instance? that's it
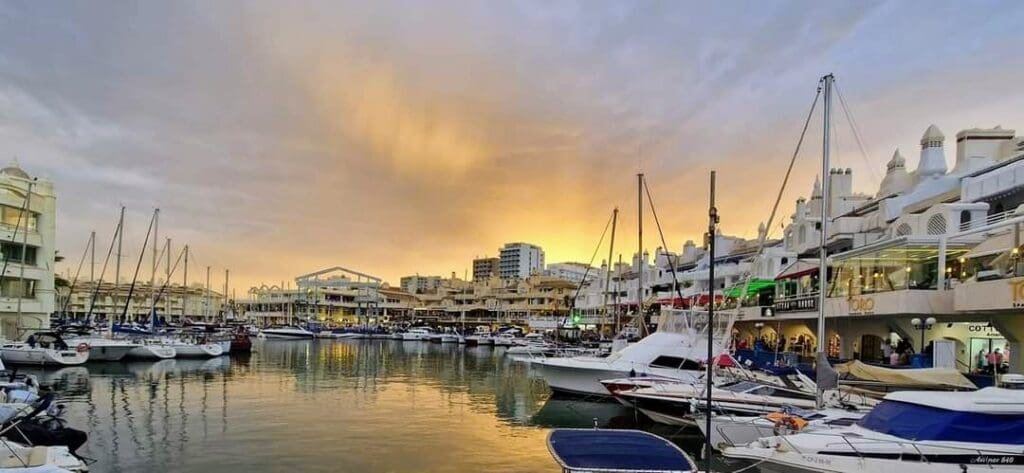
(801, 303)
(994, 295)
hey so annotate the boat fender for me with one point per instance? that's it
(786, 423)
(82, 347)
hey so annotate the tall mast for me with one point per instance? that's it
(184, 288)
(224, 306)
(167, 279)
(152, 274)
(92, 260)
(117, 270)
(826, 84)
(712, 230)
(206, 309)
(618, 290)
(25, 214)
(608, 275)
(642, 325)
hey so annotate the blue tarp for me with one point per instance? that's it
(917, 422)
(616, 450)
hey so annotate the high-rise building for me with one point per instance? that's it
(486, 268)
(28, 245)
(520, 260)
(572, 271)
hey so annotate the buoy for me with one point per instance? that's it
(82, 347)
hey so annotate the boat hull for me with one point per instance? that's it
(204, 350)
(108, 353)
(576, 381)
(285, 335)
(43, 357)
(794, 461)
(152, 352)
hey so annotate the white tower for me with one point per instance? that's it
(933, 157)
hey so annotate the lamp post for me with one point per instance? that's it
(759, 326)
(922, 326)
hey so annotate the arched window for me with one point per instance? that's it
(998, 209)
(802, 238)
(937, 225)
(965, 219)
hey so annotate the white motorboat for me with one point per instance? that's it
(910, 432)
(417, 334)
(395, 335)
(678, 403)
(729, 430)
(105, 349)
(190, 349)
(504, 339)
(285, 333)
(44, 349)
(18, 458)
(674, 353)
(449, 338)
(152, 349)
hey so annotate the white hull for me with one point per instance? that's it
(225, 346)
(415, 337)
(24, 459)
(108, 353)
(668, 419)
(204, 350)
(152, 352)
(21, 354)
(285, 334)
(793, 461)
(573, 380)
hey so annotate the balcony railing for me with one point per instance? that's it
(989, 220)
(801, 303)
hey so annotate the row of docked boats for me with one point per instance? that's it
(784, 419)
(53, 348)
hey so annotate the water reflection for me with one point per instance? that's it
(345, 405)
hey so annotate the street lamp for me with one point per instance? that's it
(922, 326)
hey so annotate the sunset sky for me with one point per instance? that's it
(402, 137)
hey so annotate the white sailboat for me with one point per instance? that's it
(44, 349)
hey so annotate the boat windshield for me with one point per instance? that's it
(917, 422)
(741, 387)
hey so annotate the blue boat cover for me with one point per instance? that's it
(917, 422)
(616, 450)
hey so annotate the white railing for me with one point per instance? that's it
(989, 220)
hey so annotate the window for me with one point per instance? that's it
(12, 252)
(12, 217)
(784, 260)
(12, 287)
(965, 219)
(802, 238)
(937, 225)
(675, 362)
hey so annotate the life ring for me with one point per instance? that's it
(786, 423)
(82, 347)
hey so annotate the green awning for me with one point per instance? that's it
(752, 288)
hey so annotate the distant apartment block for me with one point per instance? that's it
(572, 271)
(520, 260)
(486, 268)
(420, 284)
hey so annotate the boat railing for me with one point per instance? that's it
(902, 444)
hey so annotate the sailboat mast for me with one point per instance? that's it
(184, 288)
(608, 274)
(152, 273)
(225, 305)
(167, 279)
(642, 325)
(117, 270)
(25, 213)
(206, 310)
(825, 204)
(712, 230)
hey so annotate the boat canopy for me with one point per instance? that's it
(924, 377)
(753, 287)
(616, 451)
(920, 422)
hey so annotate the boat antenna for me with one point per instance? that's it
(712, 229)
(821, 360)
(138, 265)
(103, 271)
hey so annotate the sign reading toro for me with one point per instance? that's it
(862, 305)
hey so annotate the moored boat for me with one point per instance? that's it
(152, 349)
(44, 349)
(616, 451)
(285, 333)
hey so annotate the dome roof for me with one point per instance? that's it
(14, 170)
(897, 161)
(932, 134)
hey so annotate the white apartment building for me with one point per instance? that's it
(110, 301)
(27, 284)
(520, 260)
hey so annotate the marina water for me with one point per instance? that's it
(319, 405)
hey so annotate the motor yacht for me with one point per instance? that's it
(285, 332)
(44, 349)
(417, 334)
(911, 432)
(728, 430)
(505, 339)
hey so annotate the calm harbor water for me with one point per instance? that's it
(355, 405)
